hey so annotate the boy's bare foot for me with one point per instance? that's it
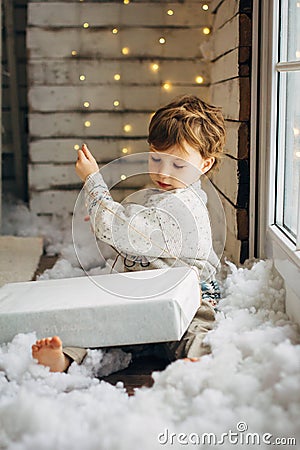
(48, 352)
(191, 359)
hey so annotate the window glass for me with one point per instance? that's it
(288, 125)
(292, 155)
(293, 32)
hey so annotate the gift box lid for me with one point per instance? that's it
(104, 310)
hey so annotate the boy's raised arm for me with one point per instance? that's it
(130, 228)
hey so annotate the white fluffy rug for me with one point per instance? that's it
(250, 382)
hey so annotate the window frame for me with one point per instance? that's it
(267, 239)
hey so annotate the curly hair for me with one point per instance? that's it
(189, 119)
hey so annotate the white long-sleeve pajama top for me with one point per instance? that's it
(160, 229)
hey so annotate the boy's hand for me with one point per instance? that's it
(86, 163)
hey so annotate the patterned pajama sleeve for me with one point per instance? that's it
(128, 228)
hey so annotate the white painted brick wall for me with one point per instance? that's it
(56, 94)
(230, 88)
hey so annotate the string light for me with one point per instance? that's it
(298, 54)
(124, 150)
(74, 53)
(154, 67)
(298, 4)
(205, 7)
(296, 131)
(127, 128)
(123, 177)
(87, 123)
(298, 154)
(86, 104)
(206, 30)
(170, 12)
(116, 103)
(167, 86)
(125, 50)
(162, 40)
(115, 31)
(86, 25)
(117, 76)
(76, 147)
(82, 77)
(199, 79)
(126, 2)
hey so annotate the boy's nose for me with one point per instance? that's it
(164, 169)
(164, 176)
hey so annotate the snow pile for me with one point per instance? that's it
(56, 230)
(18, 220)
(250, 382)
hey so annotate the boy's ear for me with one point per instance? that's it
(207, 164)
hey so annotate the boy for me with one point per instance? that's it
(185, 137)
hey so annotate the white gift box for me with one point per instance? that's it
(103, 310)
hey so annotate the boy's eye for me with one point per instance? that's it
(155, 159)
(159, 159)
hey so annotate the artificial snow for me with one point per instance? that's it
(248, 385)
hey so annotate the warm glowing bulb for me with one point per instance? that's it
(87, 123)
(86, 25)
(298, 54)
(298, 154)
(115, 30)
(116, 103)
(127, 128)
(126, 2)
(125, 150)
(125, 50)
(167, 86)
(74, 53)
(76, 147)
(86, 104)
(205, 7)
(162, 40)
(117, 76)
(206, 30)
(154, 67)
(170, 12)
(199, 79)
(296, 131)
(123, 177)
(298, 4)
(82, 77)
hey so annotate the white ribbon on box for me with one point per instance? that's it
(106, 310)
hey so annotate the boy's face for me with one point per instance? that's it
(173, 169)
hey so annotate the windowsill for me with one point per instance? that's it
(287, 262)
(285, 244)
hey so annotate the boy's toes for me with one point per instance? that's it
(47, 343)
(56, 342)
(39, 344)
(34, 349)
